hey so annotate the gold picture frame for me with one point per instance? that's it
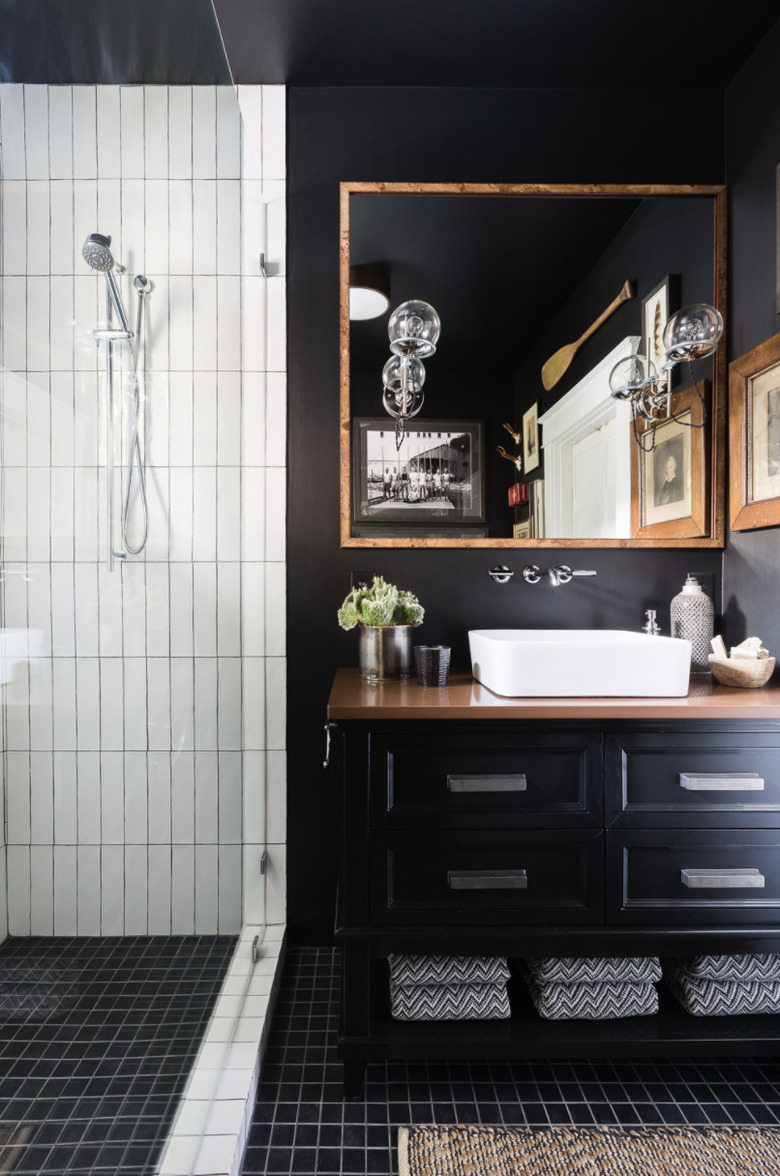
(531, 438)
(669, 474)
(754, 437)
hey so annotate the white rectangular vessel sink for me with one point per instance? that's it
(579, 663)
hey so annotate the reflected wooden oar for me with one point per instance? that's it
(557, 364)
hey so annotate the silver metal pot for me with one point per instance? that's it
(385, 652)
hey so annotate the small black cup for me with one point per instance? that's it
(433, 664)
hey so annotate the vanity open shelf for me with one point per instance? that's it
(641, 827)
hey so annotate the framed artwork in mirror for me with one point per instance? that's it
(669, 472)
(657, 306)
(754, 437)
(531, 439)
(432, 482)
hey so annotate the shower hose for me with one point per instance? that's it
(135, 465)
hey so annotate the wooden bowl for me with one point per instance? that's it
(741, 671)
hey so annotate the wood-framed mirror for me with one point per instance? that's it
(517, 273)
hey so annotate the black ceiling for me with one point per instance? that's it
(103, 42)
(519, 43)
(496, 270)
(530, 43)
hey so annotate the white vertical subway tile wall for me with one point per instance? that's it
(142, 755)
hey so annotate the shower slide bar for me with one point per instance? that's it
(97, 254)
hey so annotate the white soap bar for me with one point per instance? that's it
(719, 647)
(751, 648)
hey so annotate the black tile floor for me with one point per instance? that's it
(97, 1037)
(303, 1125)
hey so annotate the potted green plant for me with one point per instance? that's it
(386, 616)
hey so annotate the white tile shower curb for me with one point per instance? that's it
(209, 1133)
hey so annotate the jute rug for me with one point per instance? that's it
(12, 1144)
(589, 1151)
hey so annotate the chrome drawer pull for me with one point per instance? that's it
(722, 879)
(516, 783)
(721, 781)
(487, 880)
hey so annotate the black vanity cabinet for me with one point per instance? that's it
(527, 837)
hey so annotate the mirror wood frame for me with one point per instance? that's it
(716, 481)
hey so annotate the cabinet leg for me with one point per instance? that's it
(354, 1079)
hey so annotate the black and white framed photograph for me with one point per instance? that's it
(531, 438)
(657, 306)
(433, 480)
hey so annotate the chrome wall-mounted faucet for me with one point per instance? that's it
(532, 574)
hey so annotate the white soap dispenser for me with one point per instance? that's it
(693, 615)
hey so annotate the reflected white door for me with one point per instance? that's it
(593, 484)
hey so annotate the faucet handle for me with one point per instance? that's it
(564, 573)
(651, 625)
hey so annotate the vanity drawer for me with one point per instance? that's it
(458, 779)
(693, 876)
(673, 779)
(496, 878)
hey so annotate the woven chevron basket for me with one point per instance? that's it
(592, 970)
(588, 1151)
(591, 1002)
(431, 970)
(449, 1002)
(760, 967)
(723, 998)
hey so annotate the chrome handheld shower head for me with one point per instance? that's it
(96, 252)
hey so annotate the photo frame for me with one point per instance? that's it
(531, 438)
(522, 530)
(433, 484)
(657, 306)
(670, 474)
(754, 437)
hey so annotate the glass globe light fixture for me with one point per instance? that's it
(403, 379)
(414, 329)
(692, 333)
(631, 377)
(401, 369)
(403, 404)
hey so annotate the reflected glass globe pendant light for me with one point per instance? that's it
(692, 333)
(414, 330)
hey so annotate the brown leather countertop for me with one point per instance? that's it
(463, 698)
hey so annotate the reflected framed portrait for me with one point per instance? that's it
(669, 470)
(432, 482)
(754, 437)
(531, 438)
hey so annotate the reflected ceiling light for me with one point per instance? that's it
(692, 333)
(369, 292)
(413, 329)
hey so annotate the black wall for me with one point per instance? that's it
(673, 236)
(751, 588)
(434, 135)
